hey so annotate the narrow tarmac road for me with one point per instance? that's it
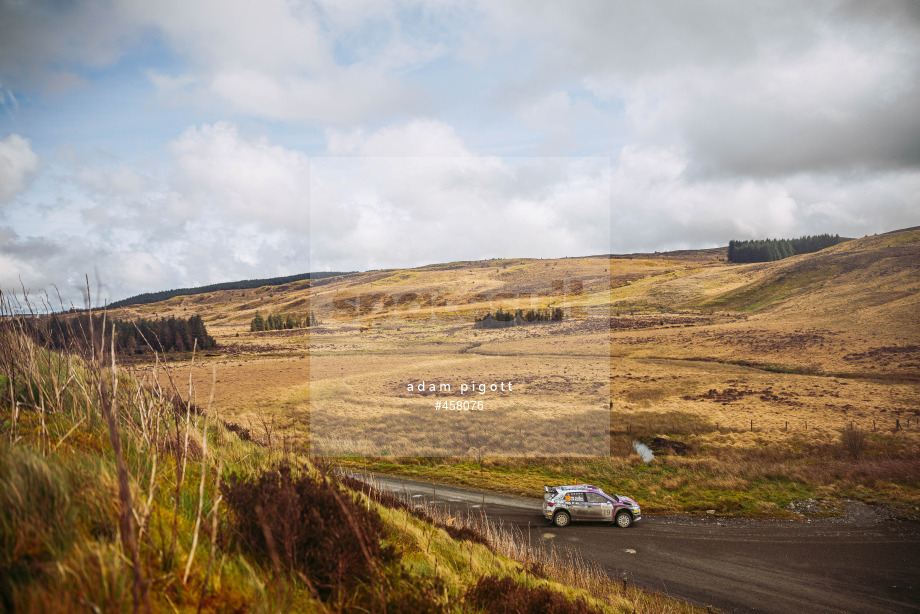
(856, 563)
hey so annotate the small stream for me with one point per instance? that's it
(643, 451)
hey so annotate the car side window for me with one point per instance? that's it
(593, 497)
(578, 497)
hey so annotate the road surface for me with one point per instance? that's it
(857, 563)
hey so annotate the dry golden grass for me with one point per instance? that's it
(797, 348)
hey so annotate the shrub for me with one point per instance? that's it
(388, 499)
(306, 524)
(505, 596)
(36, 517)
(408, 594)
(854, 441)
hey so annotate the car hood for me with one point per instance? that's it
(627, 501)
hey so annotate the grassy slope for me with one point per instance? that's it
(843, 279)
(841, 311)
(868, 285)
(61, 548)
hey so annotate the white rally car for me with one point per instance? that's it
(583, 502)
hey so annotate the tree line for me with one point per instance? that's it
(503, 319)
(281, 321)
(766, 250)
(131, 336)
(246, 284)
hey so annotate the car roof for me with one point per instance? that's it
(585, 487)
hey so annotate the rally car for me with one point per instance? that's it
(564, 504)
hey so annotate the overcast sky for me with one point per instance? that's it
(156, 145)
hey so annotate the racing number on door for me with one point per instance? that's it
(601, 504)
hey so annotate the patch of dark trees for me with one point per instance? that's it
(505, 319)
(246, 284)
(131, 336)
(767, 250)
(279, 321)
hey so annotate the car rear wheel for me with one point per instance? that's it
(561, 519)
(624, 519)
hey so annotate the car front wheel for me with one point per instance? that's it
(624, 519)
(562, 519)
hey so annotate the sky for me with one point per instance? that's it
(158, 145)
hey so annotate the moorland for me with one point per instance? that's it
(756, 386)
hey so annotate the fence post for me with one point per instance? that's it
(897, 424)
(752, 426)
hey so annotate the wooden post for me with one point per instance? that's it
(752, 426)
(806, 425)
(897, 424)
(873, 425)
(787, 426)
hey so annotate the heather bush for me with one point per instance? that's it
(304, 524)
(853, 440)
(505, 596)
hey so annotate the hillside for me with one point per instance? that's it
(740, 362)
(116, 496)
(854, 296)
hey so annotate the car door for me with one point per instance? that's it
(598, 507)
(577, 505)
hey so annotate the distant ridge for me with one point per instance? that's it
(246, 284)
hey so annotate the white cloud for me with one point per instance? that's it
(226, 206)
(726, 120)
(417, 138)
(243, 179)
(658, 204)
(353, 92)
(747, 89)
(140, 269)
(414, 194)
(285, 60)
(17, 165)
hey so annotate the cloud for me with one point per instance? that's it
(746, 89)
(140, 270)
(413, 194)
(691, 212)
(419, 138)
(242, 179)
(42, 42)
(317, 62)
(17, 165)
(833, 107)
(224, 206)
(353, 92)
(322, 61)
(723, 120)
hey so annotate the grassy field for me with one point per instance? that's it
(744, 379)
(116, 496)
